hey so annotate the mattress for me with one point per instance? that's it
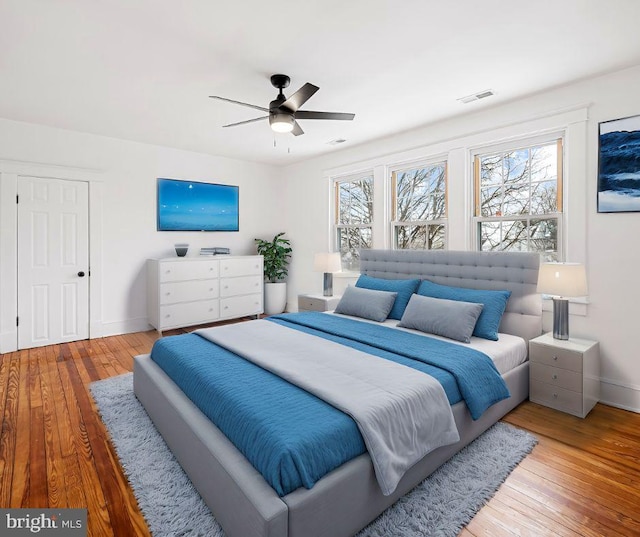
(507, 353)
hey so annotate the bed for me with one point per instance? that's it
(349, 497)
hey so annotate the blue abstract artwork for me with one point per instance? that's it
(619, 166)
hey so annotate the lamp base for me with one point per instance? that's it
(560, 318)
(328, 284)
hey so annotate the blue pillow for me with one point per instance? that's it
(404, 288)
(494, 303)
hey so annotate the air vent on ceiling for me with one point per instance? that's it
(336, 141)
(476, 96)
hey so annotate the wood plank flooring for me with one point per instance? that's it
(582, 479)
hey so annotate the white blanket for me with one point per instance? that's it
(402, 414)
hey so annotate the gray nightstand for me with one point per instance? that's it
(312, 302)
(564, 374)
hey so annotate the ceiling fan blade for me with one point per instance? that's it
(297, 129)
(300, 97)
(310, 114)
(240, 103)
(247, 121)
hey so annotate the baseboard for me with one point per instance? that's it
(620, 395)
(115, 328)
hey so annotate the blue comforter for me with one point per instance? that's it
(290, 436)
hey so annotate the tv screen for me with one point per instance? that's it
(193, 206)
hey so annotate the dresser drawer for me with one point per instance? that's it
(556, 397)
(556, 357)
(563, 378)
(243, 285)
(239, 306)
(173, 292)
(189, 313)
(241, 267)
(173, 271)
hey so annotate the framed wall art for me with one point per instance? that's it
(619, 165)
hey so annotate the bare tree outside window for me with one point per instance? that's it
(519, 199)
(354, 218)
(420, 207)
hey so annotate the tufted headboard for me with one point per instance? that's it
(513, 271)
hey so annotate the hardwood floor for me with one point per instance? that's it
(582, 479)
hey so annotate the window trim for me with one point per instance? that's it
(392, 178)
(335, 193)
(515, 145)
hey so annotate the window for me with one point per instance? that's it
(419, 207)
(353, 218)
(518, 200)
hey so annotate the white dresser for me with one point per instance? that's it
(187, 291)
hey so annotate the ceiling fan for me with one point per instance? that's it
(284, 112)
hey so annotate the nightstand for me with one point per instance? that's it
(312, 302)
(564, 374)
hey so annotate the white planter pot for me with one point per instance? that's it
(275, 297)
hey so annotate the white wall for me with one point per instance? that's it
(124, 176)
(606, 243)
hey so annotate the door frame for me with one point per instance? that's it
(10, 171)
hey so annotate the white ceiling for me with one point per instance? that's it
(143, 69)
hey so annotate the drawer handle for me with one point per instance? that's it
(210, 269)
(554, 377)
(210, 309)
(168, 315)
(555, 395)
(168, 271)
(168, 293)
(226, 287)
(555, 358)
(226, 307)
(210, 288)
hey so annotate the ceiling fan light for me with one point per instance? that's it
(281, 122)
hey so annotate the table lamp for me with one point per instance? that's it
(562, 280)
(327, 262)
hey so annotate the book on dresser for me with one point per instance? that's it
(189, 291)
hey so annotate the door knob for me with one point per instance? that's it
(81, 274)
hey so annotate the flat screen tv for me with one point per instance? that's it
(193, 206)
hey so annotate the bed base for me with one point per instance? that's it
(340, 504)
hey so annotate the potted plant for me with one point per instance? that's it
(276, 255)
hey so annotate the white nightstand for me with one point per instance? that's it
(312, 302)
(564, 374)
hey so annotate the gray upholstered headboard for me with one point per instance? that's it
(513, 271)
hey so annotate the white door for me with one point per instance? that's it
(53, 261)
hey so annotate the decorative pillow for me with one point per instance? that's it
(494, 303)
(404, 288)
(448, 318)
(366, 303)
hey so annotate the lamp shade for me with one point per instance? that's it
(327, 262)
(562, 279)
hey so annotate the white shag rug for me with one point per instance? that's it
(440, 506)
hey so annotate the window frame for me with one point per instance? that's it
(393, 183)
(526, 143)
(336, 225)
